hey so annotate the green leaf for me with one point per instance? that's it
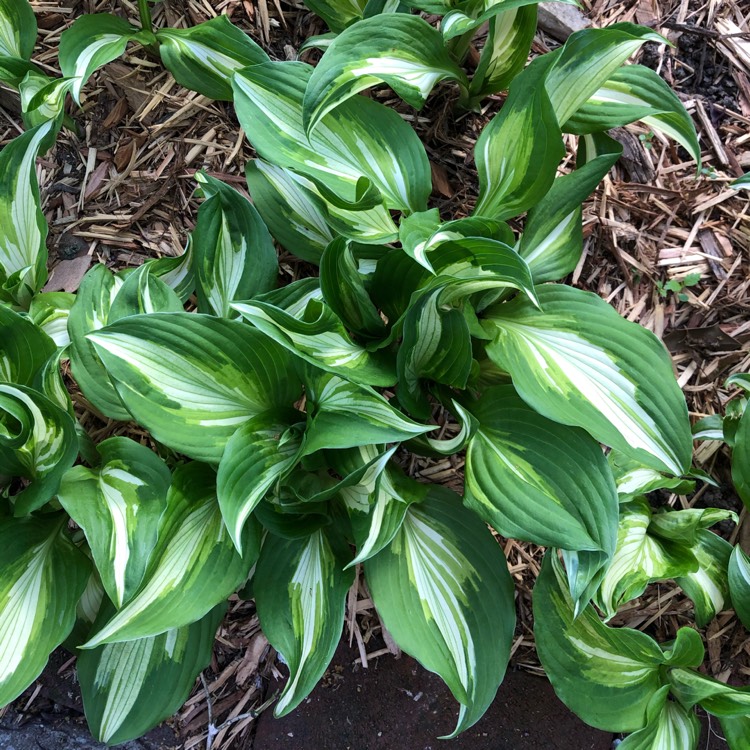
(43, 576)
(739, 585)
(518, 152)
(43, 99)
(668, 727)
(741, 182)
(193, 568)
(587, 61)
(297, 319)
(17, 29)
(640, 558)
(290, 210)
(23, 228)
(537, 480)
(118, 505)
(607, 676)
(741, 458)
(203, 58)
(176, 272)
(632, 478)
(262, 451)
(50, 312)
(91, 42)
(24, 348)
(344, 291)
(632, 93)
(233, 253)
(13, 70)
(338, 14)
(506, 50)
(300, 591)
(579, 363)
(443, 590)
(692, 688)
(552, 240)
(192, 380)
(37, 442)
(400, 50)
(360, 138)
(130, 687)
(426, 446)
(343, 414)
(467, 16)
(736, 731)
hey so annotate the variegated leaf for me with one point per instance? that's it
(17, 29)
(635, 92)
(692, 688)
(43, 576)
(361, 138)
(300, 590)
(118, 504)
(607, 676)
(50, 312)
(741, 456)
(193, 568)
(467, 16)
(203, 58)
(42, 100)
(518, 152)
(192, 380)
(739, 584)
(37, 441)
(587, 60)
(262, 452)
(176, 272)
(632, 478)
(552, 240)
(343, 414)
(24, 348)
(338, 14)
(443, 590)
(233, 253)
(23, 228)
(401, 50)
(540, 481)
(669, 726)
(130, 687)
(578, 362)
(91, 42)
(301, 322)
(741, 182)
(293, 214)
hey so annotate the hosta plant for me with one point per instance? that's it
(278, 420)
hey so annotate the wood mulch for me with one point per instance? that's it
(121, 191)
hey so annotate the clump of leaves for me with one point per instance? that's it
(677, 286)
(276, 412)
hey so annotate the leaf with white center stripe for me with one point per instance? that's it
(632, 93)
(193, 568)
(50, 312)
(43, 99)
(24, 348)
(741, 182)
(505, 51)
(118, 505)
(312, 331)
(294, 215)
(23, 228)
(669, 726)
(540, 481)
(37, 441)
(176, 272)
(43, 576)
(518, 152)
(400, 50)
(91, 42)
(18, 29)
(708, 587)
(129, 687)
(586, 62)
(192, 380)
(360, 138)
(300, 590)
(233, 253)
(692, 688)
(338, 14)
(343, 414)
(443, 590)
(262, 452)
(578, 362)
(552, 240)
(427, 446)
(607, 676)
(739, 585)
(632, 478)
(203, 58)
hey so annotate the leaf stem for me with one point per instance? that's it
(145, 12)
